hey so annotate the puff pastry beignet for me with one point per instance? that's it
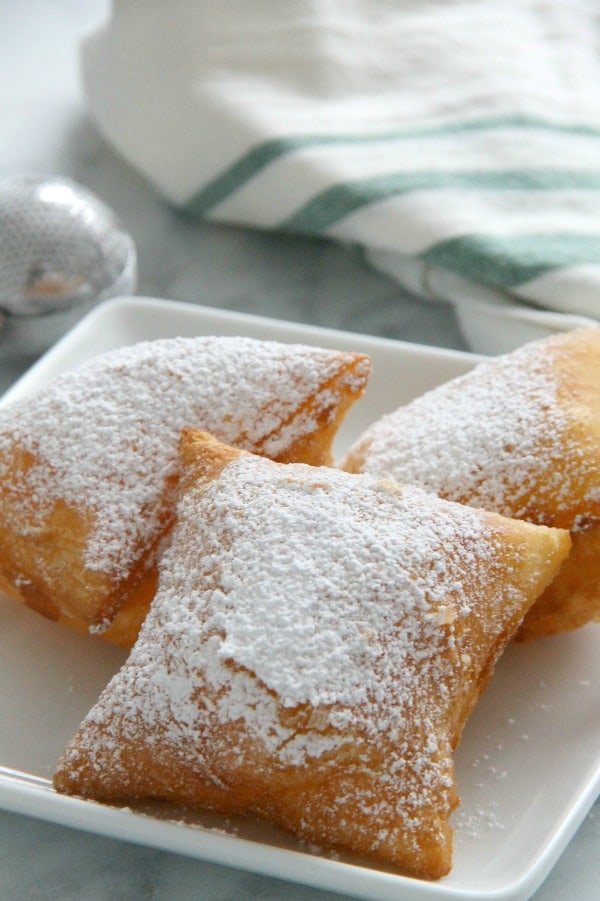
(315, 645)
(520, 435)
(89, 467)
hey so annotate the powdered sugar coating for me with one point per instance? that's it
(303, 586)
(498, 437)
(105, 436)
(312, 621)
(309, 610)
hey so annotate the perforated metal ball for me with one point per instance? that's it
(60, 246)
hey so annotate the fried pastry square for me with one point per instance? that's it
(89, 465)
(314, 648)
(519, 435)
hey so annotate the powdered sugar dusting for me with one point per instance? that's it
(291, 586)
(497, 437)
(309, 621)
(310, 616)
(105, 436)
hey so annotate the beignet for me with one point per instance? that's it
(89, 465)
(315, 645)
(520, 435)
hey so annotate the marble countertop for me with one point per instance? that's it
(44, 128)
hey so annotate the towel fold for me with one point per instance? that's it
(456, 139)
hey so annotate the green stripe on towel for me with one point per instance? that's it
(261, 156)
(507, 261)
(334, 204)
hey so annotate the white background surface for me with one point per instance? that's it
(44, 127)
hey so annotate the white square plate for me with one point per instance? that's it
(528, 768)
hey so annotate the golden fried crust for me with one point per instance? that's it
(519, 435)
(43, 565)
(571, 600)
(89, 471)
(315, 645)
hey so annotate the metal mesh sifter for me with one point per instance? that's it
(62, 250)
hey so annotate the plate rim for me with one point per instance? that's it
(139, 304)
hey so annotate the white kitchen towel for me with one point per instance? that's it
(456, 141)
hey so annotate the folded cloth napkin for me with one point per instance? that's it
(456, 141)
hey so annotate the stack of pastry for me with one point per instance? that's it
(317, 638)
